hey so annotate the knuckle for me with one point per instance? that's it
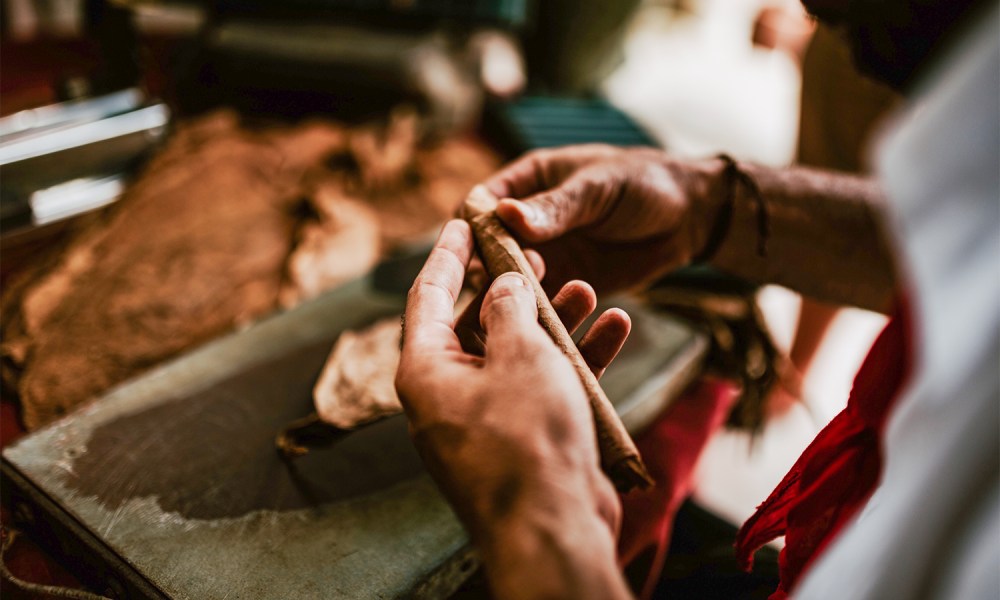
(425, 285)
(555, 204)
(403, 381)
(602, 150)
(498, 307)
(538, 155)
(504, 293)
(413, 292)
(614, 511)
(538, 347)
(609, 504)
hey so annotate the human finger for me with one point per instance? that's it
(536, 261)
(430, 305)
(580, 200)
(541, 169)
(574, 303)
(609, 504)
(510, 316)
(605, 338)
(467, 326)
(523, 177)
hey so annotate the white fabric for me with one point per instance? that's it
(932, 529)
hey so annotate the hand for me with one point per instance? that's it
(620, 218)
(615, 217)
(509, 436)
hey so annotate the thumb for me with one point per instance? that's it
(509, 314)
(578, 201)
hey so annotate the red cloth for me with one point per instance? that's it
(670, 448)
(839, 470)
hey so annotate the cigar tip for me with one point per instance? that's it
(630, 473)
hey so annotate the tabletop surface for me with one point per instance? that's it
(176, 473)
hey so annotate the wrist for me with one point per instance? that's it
(557, 546)
(734, 215)
(743, 250)
(711, 202)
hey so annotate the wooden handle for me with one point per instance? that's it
(501, 253)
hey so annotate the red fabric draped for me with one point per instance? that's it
(839, 470)
(670, 449)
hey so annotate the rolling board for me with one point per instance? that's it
(169, 486)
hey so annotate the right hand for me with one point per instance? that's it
(615, 217)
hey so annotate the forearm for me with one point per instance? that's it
(821, 234)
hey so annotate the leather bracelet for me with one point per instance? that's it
(724, 219)
(733, 177)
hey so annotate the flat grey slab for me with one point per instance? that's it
(176, 472)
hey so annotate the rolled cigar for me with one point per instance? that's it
(501, 253)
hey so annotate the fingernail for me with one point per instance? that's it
(510, 280)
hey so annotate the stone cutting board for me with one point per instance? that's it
(169, 485)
